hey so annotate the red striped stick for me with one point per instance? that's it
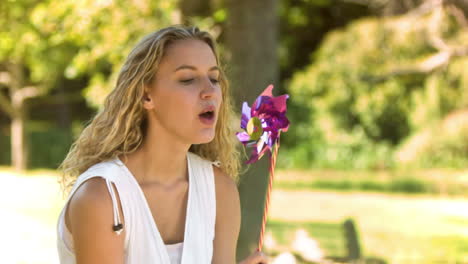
(270, 187)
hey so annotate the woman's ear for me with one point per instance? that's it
(148, 102)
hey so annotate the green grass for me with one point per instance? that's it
(440, 182)
(434, 249)
(399, 228)
(400, 185)
(329, 235)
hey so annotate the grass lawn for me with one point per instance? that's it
(399, 228)
(447, 182)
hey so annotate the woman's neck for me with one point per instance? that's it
(160, 159)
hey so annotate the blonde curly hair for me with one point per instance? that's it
(119, 127)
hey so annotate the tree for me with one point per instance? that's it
(379, 80)
(252, 41)
(44, 42)
(30, 62)
(194, 8)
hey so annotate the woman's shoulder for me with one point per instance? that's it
(107, 169)
(90, 217)
(94, 183)
(204, 160)
(222, 179)
(92, 201)
(224, 184)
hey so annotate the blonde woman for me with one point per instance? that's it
(152, 178)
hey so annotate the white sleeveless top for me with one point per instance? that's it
(143, 242)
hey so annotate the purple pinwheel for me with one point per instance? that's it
(263, 123)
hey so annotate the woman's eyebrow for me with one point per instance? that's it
(214, 68)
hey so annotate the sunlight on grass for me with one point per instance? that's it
(453, 182)
(29, 207)
(398, 228)
(329, 235)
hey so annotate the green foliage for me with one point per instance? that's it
(49, 147)
(105, 32)
(352, 150)
(40, 48)
(70, 38)
(410, 185)
(445, 144)
(303, 25)
(5, 154)
(367, 91)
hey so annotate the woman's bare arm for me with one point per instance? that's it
(228, 219)
(90, 218)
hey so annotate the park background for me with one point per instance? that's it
(378, 109)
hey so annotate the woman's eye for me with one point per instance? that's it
(214, 81)
(186, 81)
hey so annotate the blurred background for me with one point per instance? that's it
(374, 168)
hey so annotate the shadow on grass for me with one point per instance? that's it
(328, 235)
(331, 239)
(400, 185)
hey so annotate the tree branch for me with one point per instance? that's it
(31, 91)
(5, 105)
(5, 78)
(446, 52)
(430, 64)
(426, 7)
(27, 92)
(458, 14)
(57, 99)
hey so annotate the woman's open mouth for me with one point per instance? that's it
(207, 117)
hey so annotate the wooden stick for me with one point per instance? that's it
(270, 187)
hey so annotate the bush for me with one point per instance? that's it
(442, 145)
(362, 101)
(48, 146)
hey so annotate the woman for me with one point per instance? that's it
(153, 176)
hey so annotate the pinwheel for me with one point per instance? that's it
(263, 124)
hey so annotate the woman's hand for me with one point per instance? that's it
(258, 257)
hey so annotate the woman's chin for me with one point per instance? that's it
(204, 139)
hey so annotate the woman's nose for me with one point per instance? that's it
(209, 89)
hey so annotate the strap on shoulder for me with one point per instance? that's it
(217, 163)
(118, 227)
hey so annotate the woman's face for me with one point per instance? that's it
(185, 86)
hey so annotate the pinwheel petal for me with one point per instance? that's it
(268, 91)
(246, 115)
(243, 137)
(269, 114)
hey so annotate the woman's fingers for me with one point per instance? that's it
(258, 257)
(261, 258)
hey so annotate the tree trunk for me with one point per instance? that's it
(64, 113)
(19, 144)
(192, 8)
(251, 38)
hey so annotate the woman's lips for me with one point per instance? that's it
(207, 118)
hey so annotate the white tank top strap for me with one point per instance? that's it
(143, 242)
(217, 163)
(96, 171)
(117, 227)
